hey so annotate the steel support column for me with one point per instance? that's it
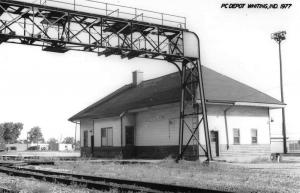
(193, 110)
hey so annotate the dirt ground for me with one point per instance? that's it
(235, 177)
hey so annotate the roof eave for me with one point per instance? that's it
(273, 106)
(249, 104)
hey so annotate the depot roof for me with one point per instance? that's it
(219, 89)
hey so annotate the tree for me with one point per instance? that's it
(52, 140)
(2, 145)
(11, 131)
(52, 144)
(77, 145)
(69, 140)
(35, 135)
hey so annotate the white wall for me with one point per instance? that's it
(96, 125)
(153, 126)
(86, 125)
(158, 126)
(276, 125)
(247, 118)
(241, 117)
(113, 122)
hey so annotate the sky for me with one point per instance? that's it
(45, 89)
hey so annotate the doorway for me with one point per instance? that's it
(129, 149)
(129, 136)
(214, 138)
(92, 145)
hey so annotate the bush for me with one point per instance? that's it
(33, 148)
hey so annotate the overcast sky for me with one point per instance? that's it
(45, 89)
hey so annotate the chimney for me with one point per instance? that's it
(137, 78)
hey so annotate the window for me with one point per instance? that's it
(106, 136)
(236, 136)
(85, 138)
(254, 136)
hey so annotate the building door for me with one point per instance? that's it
(92, 145)
(214, 138)
(129, 136)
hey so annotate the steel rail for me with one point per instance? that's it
(71, 181)
(100, 183)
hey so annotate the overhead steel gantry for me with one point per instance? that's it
(59, 26)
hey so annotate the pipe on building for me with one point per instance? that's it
(226, 124)
(93, 137)
(76, 123)
(121, 119)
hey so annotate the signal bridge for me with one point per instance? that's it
(110, 29)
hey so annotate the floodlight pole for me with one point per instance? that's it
(279, 37)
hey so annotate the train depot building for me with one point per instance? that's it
(141, 120)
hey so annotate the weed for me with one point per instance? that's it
(42, 188)
(260, 160)
(14, 186)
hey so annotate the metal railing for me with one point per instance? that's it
(109, 9)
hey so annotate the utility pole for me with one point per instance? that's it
(279, 37)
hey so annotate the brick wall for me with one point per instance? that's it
(140, 152)
(107, 152)
(161, 152)
(86, 152)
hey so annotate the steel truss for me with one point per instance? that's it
(60, 30)
(193, 110)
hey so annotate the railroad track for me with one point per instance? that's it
(99, 183)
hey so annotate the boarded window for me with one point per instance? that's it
(107, 136)
(85, 138)
(236, 136)
(254, 136)
(173, 129)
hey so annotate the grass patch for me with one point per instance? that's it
(260, 160)
(258, 176)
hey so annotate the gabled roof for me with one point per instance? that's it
(166, 89)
